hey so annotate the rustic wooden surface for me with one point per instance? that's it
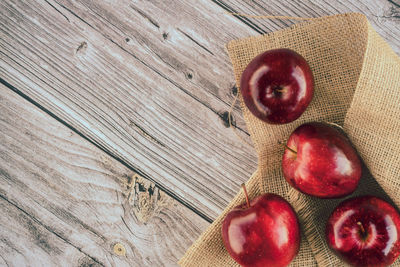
(149, 84)
(65, 201)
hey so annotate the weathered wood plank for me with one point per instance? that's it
(65, 202)
(157, 117)
(384, 15)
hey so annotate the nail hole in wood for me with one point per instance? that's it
(165, 35)
(234, 90)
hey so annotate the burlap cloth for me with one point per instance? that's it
(357, 86)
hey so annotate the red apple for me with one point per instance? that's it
(365, 231)
(263, 232)
(320, 161)
(277, 86)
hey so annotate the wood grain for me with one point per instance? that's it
(149, 81)
(384, 15)
(66, 203)
(156, 117)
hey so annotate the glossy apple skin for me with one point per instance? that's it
(266, 234)
(326, 165)
(270, 72)
(379, 246)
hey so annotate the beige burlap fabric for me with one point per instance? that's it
(357, 86)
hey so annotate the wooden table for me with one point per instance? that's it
(114, 138)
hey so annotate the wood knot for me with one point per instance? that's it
(146, 199)
(119, 249)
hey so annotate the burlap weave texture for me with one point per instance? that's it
(357, 86)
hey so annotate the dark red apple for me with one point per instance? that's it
(277, 86)
(263, 232)
(365, 231)
(320, 161)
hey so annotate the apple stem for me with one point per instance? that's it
(246, 195)
(361, 228)
(283, 90)
(286, 146)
